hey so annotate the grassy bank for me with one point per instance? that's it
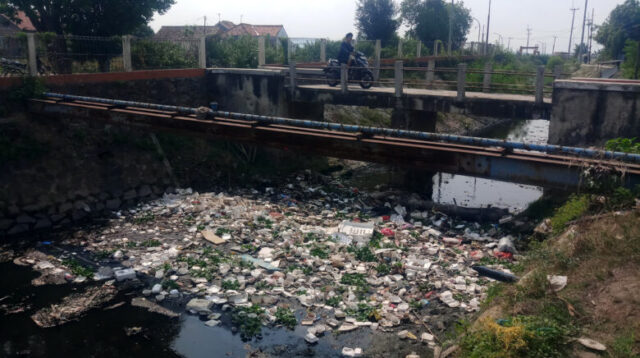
(593, 241)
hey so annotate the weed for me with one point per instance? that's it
(375, 240)
(104, 254)
(307, 270)
(221, 231)
(132, 244)
(383, 269)
(364, 254)
(333, 301)
(263, 285)
(145, 218)
(364, 313)
(151, 243)
(230, 285)
(77, 268)
(623, 347)
(170, 284)
(248, 320)
(268, 224)
(320, 251)
(285, 317)
(301, 292)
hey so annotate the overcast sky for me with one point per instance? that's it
(333, 18)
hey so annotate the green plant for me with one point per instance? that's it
(248, 320)
(77, 268)
(150, 243)
(571, 210)
(32, 87)
(170, 284)
(230, 285)
(364, 313)
(285, 317)
(145, 218)
(623, 347)
(383, 269)
(333, 301)
(626, 145)
(364, 254)
(320, 251)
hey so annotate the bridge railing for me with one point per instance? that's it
(461, 79)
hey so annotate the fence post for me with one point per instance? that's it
(323, 50)
(261, 52)
(31, 48)
(378, 54)
(400, 48)
(435, 48)
(431, 68)
(292, 77)
(399, 78)
(344, 78)
(289, 50)
(540, 85)
(202, 52)
(126, 53)
(486, 82)
(419, 50)
(462, 80)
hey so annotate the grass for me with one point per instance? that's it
(363, 254)
(285, 317)
(145, 218)
(573, 209)
(77, 268)
(320, 252)
(383, 269)
(333, 301)
(230, 285)
(151, 243)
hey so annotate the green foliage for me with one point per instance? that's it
(236, 52)
(31, 87)
(631, 64)
(375, 19)
(320, 251)
(145, 218)
(621, 26)
(248, 320)
(428, 20)
(364, 313)
(77, 268)
(626, 145)
(151, 243)
(521, 336)
(363, 254)
(571, 210)
(151, 54)
(383, 269)
(333, 301)
(285, 317)
(170, 284)
(230, 285)
(623, 347)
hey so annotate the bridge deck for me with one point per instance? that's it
(419, 92)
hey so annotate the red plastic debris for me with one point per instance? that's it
(386, 218)
(428, 294)
(387, 232)
(477, 255)
(504, 255)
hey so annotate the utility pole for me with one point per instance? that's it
(584, 22)
(573, 19)
(450, 27)
(509, 43)
(591, 26)
(486, 46)
(219, 18)
(528, 36)
(204, 28)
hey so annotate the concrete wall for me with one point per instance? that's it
(590, 112)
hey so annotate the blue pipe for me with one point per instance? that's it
(398, 133)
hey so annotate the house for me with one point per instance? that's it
(10, 26)
(222, 29)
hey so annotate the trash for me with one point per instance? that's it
(152, 307)
(74, 306)
(212, 238)
(212, 323)
(265, 265)
(503, 255)
(505, 219)
(591, 344)
(387, 232)
(351, 352)
(362, 231)
(104, 273)
(451, 241)
(506, 245)
(557, 282)
(132, 331)
(311, 338)
(199, 306)
(126, 274)
(495, 274)
(413, 355)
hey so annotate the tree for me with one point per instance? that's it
(375, 19)
(428, 20)
(631, 65)
(623, 24)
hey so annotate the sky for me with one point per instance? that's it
(334, 18)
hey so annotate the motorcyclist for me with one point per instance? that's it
(347, 51)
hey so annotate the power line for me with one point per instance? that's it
(584, 22)
(528, 35)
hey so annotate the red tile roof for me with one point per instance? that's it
(25, 23)
(254, 30)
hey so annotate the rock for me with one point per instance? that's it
(118, 255)
(18, 229)
(339, 314)
(592, 344)
(5, 224)
(157, 288)
(42, 224)
(131, 194)
(144, 191)
(199, 305)
(212, 323)
(426, 337)
(126, 274)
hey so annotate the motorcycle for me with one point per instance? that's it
(359, 71)
(12, 68)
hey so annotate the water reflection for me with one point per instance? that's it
(475, 192)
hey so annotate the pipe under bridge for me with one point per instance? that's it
(542, 165)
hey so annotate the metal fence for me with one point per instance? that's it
(154, 54)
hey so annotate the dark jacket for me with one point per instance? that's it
(345, 50)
